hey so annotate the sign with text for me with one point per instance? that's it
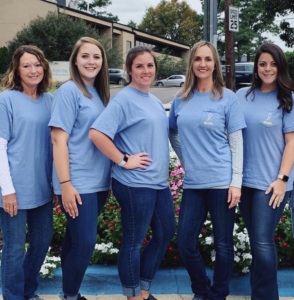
(233, 19)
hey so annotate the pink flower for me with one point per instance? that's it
(172, 181)
(174, 202)
(178, 176)
(176, 196)
(180, 182)
(173, 173)
(173, 192)
(174, 187)
(178, 208)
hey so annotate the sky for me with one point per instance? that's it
(134, 10)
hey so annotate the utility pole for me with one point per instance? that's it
(210, 21)
(229, 49)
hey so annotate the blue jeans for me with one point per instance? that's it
(261, 221)
(196, 203)
(19, 272)
(141, 207)
(79, 242)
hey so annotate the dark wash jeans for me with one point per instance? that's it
(79, 242)
(19, 272)
(141, 207)
(261, 221)
(196, 203)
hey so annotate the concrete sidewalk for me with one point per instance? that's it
(101, 282)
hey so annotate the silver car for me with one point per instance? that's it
(174, 80)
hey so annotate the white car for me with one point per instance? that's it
(174, 80)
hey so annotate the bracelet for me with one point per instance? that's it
(124, 161)
(64, 181)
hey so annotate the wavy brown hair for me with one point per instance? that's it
(12, 80)
(102, 79)
(285, 84)
(191, 80)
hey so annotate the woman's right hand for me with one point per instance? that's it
(70, 197)
(10, 204)
(139, 160)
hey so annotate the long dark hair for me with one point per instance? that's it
(285, 84)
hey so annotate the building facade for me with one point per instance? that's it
(15, 14)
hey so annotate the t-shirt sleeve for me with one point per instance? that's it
(288, 121)
(64, 111)
(111, 120)
(172, 116)
(5, 121)
(234, 116)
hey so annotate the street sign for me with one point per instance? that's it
(233, 19)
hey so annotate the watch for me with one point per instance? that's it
(283, 177)
(124, 161)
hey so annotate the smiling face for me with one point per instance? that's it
(89, 62)
(143, 72)
(30, 71)
(204, 65)
(267, 72)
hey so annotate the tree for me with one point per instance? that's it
(132, 24)
(173, 20)
(282, 9)
(56, 35)
(254, 23)
(4, 61)
(168, 66)
(94, 9)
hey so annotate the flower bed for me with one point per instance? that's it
(110, 233)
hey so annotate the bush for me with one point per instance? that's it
(290, 59)
(109, 236)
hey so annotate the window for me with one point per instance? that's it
(129, 46)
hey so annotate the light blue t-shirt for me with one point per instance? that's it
(203, 125)
(23, 123)
(264, 138)
(137, 122)
(74, 113)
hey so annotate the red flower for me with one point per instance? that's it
(58, 212)
(104, 223)
(111, 228)
(283, 219)
(175, 258)
(170, 248)
(145, 242)
(203, 230)
(111, 207)
(119, 243)
(119, 208)
(112, 222)
(285, 244)
(278, 238)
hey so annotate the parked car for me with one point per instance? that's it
(118, 76)
(174, 80)
(243, 74)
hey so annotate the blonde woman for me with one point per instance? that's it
(209, 120)
(81, 176)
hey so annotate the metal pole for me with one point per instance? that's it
(214, 17)
(229, 50)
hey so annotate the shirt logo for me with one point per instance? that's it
(267, 121)
(208, 122)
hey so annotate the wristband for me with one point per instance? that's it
(283, 177)
(124, 161)
(64, 181)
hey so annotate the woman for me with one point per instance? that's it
(268, 160)
(209, 120)
(133, 133)
(25, 172)
(81, 175)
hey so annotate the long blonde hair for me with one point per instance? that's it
(191, 80)
(101, 81)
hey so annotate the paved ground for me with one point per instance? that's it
(165, 94)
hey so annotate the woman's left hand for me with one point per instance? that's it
(279, 189)
(234, 196)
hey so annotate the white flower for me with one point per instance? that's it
(237, 258)
(114, 250)
(200, 235)
(109, 245)
(209, 240)
(245, 270)
(213, 255)
(207, 222)
(247, 256)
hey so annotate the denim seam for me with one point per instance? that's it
(132, 213)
